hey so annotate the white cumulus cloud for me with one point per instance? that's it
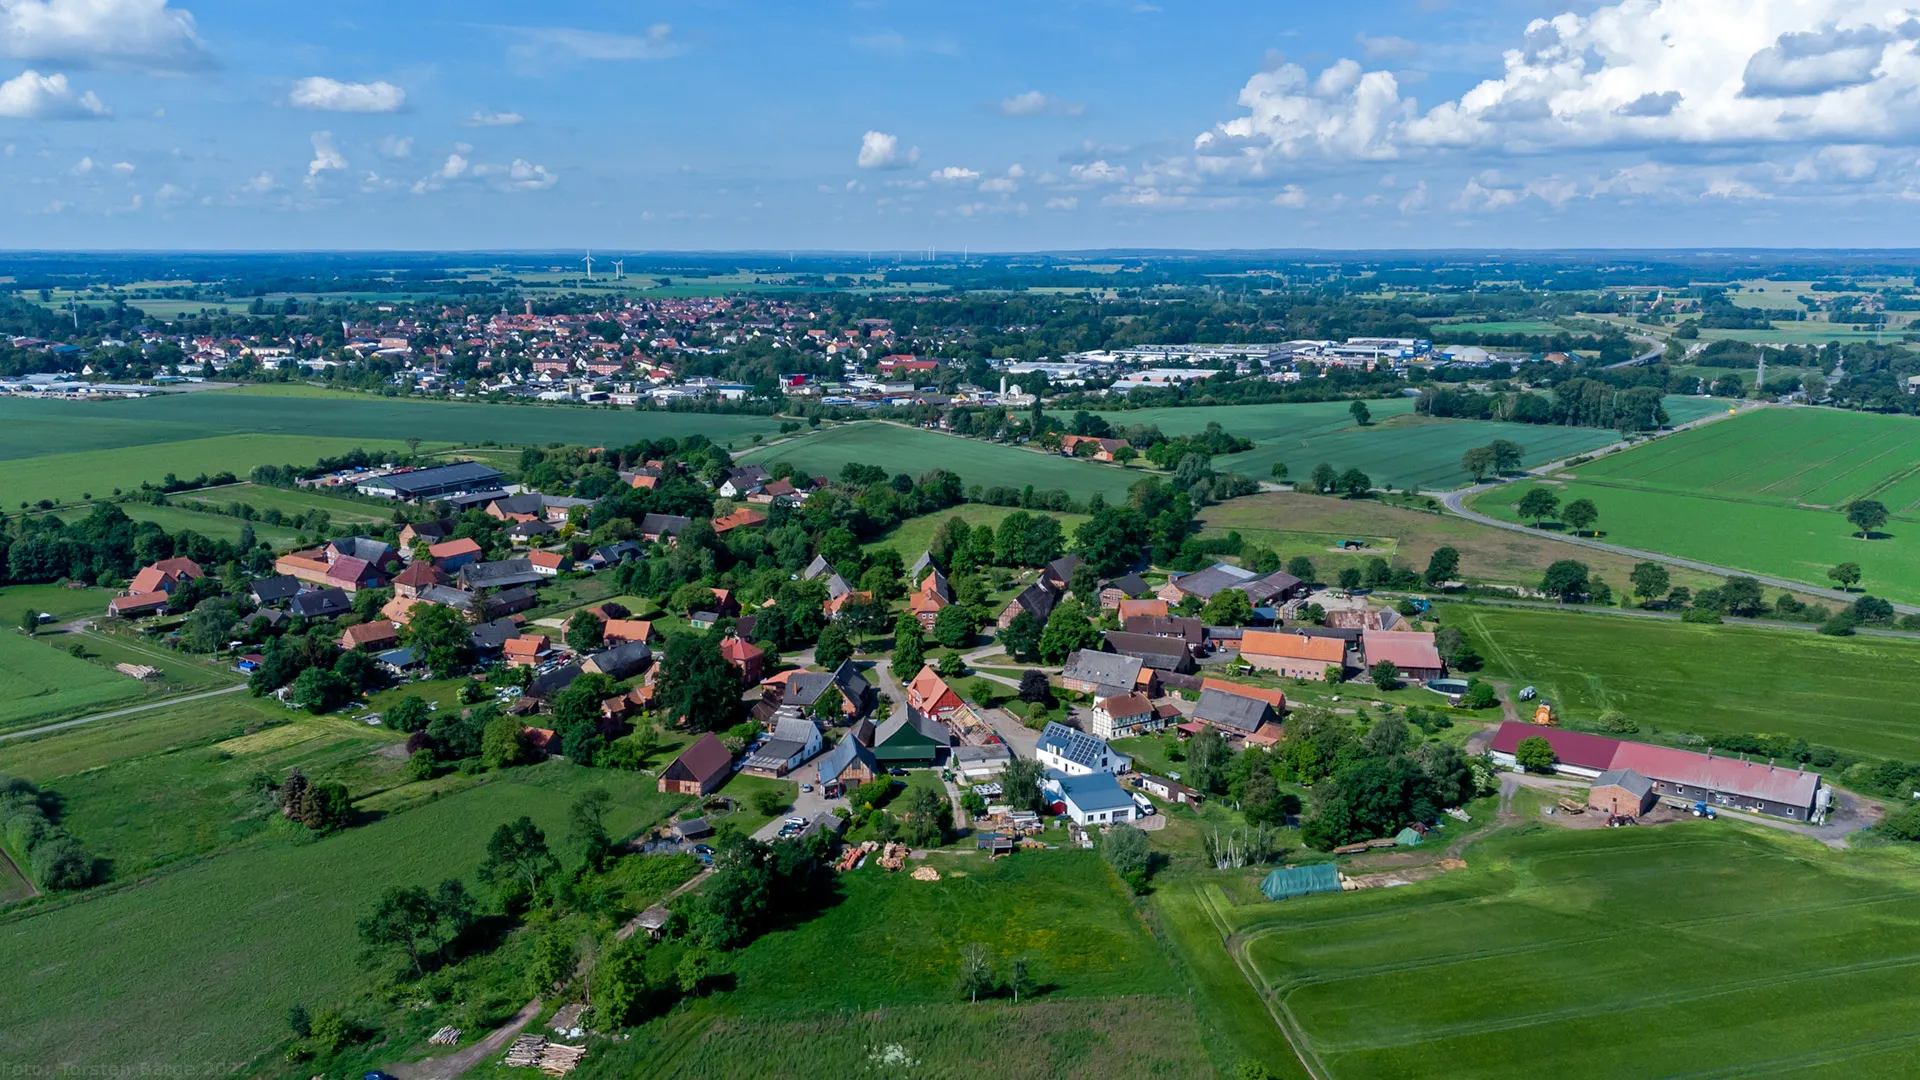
(954, 174)
(1291, 197)
(332, 95)
(394, 146)
(1632, 74)
(879, 150)
(121, 33)
(495, 119)
(1098, 172)
(1065, 202)
(326, 156)
(456, 166)
(33, 96)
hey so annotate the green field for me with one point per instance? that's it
(915, 535)
(216, 526)
(1441, 331)
(1852, 693)
(1293, 523)
(39, 683)
(72, 477)
(31, 428)
(1699, 949)
(290, 502)
(1397, 449)
(908, 450)
(1761, 492)
(198, 963)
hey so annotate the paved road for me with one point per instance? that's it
(121, 712)
(1655, 350)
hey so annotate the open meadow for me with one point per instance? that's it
(1762, 492)
(1854, 694)
(66, 478)
(879, 962)
(40, 684)
(901, 449)
(1294, 523)
(199, 962)
(915, 535)
(1700, 949)
(77, 447)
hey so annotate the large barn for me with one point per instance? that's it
(1679, 775)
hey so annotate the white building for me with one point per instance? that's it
(1075, 753)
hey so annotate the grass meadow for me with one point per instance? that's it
(1293, 523)
(39, 683)
(1761, 492)
(290, 502)
(1852, 693)
(67, 478)
(216, 526)
(915, 535)
(901, 449)
(1699, 949)
(197, 963)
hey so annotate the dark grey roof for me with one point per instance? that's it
(545, 686)
(522, 530)
(1132, 586)
(619, 552)
(448, 595)
(746, 474)
(439, 479)
(470, 499)
(842, 756)
(490, 636)
(1275, 584)
(437, 529)
(931, 727)
(1074, 745)
(528, 502)
(663, 524)
(273, 590)
(498, 575)
(1062, 568)
(321, 604)
(1204, 583)
(372, 551)
(621, 660)
(1191, 631)
(925, 560)
(817, 567)
(1103, 668)
(1156, 652)
(1627, 779)
(1038, 598)
(1242, 714)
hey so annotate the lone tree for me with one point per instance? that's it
(1507, 455)
(1034, 687)
(1566, 580)
(1538, 504)
(1847, 574)
(1442, 566)
(1361, 414)
(1355, 484)
(1866, 515)
(976, 972)
(1478, 462)
(1386, 675)
(1581, 514)
(1650, 580)
(1324, 478)
(1535, 754)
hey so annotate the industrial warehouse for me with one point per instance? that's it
(1678, 776)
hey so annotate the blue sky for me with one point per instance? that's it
(997, 126)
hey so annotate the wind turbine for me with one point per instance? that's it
(619, 269)
(589, 261)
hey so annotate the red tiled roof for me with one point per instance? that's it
(1408, 650)
(1751, 779)
(1275, 698)
(1295, 646)
(1571, 747)
(450, 548)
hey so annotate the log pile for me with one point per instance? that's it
(526, 1052)
(926, 873)
(559, 1059)
(446, 1036)
(894, 857)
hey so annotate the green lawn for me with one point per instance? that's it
(1761, 492)
(35, 428)
(290, 502)
(915, 535)
(215, 526)
(62, 603)
(913, 451)
(198, 963)
(72, 477)
(40, 684)
(1293, 524)
(1853, 693)
(1697, 949)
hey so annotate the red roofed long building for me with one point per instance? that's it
(1678, 775)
